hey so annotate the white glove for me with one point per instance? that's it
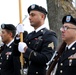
(20, 28)
(21, 47)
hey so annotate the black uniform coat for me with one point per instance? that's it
(9, 64)
(41, 46)
(67, 66)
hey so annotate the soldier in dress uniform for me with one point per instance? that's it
(67, 61)
(39, 45)
(9, 64)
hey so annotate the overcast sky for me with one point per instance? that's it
(9, 11)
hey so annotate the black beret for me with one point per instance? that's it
(37, 8)
(68, 19)
(8, 26)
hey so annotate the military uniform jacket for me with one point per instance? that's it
(9, 64)
(41, 46)
(67, 66)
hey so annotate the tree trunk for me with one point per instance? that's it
(56, 10)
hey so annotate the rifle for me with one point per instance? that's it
(55, 58)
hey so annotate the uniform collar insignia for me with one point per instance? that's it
(73, 48)
(41, 30)
(9, 46)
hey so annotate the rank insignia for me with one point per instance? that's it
(51, 45)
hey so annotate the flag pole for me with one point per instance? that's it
(21, 34)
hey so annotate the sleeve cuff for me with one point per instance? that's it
(28, 53)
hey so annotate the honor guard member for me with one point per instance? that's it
(40, 44)
(9, 64)
(67, 61)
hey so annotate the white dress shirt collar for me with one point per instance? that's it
(9, 43)
(41, 27)
(69, 46)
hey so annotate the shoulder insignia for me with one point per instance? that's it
(51, 45)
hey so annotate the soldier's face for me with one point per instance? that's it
(36, 18)
(68, 33)
(5, 36)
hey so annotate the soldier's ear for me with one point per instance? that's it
(10, 34)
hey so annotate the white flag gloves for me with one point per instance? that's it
(20, 28)
(21, 47)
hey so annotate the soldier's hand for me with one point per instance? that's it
(22, 47)
(20, 28)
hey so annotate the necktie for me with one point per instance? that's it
(5, 46)
(66, 48)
